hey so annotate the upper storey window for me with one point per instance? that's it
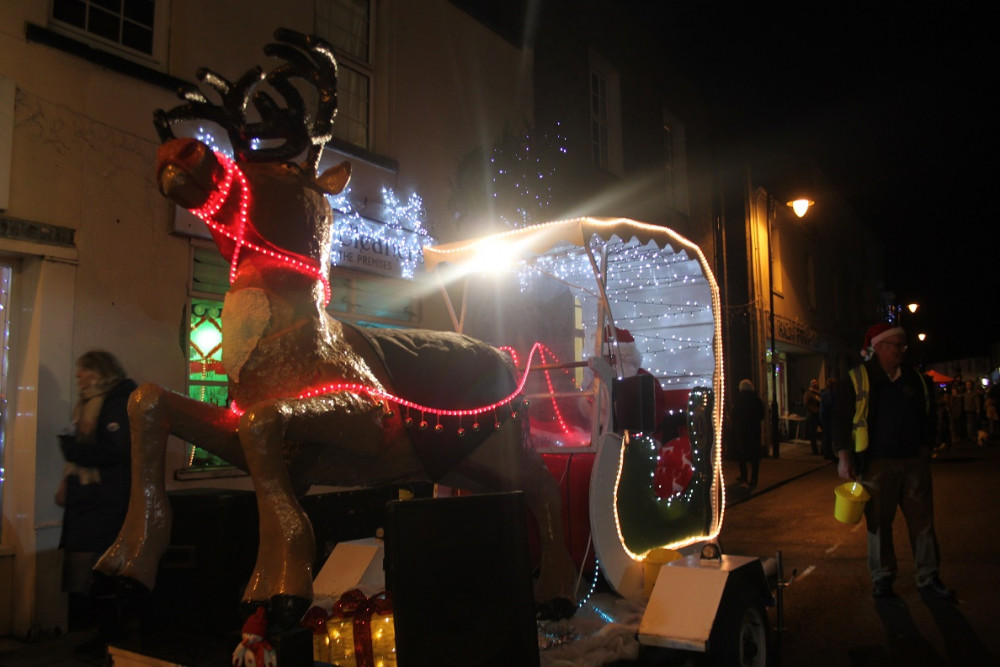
(605, 116)
(133, 28)
(348, 26)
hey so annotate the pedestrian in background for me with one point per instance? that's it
(827, 399)
(95, 487)
(748, 413)
(971, 406)
(883, 435)
(992, 412)
(811, 399)
(956, 412)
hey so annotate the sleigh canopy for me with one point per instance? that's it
(603, 301)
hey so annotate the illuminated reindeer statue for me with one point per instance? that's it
(314, 400)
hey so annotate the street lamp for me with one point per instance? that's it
(800, 207)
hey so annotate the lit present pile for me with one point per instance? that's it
(357, 632)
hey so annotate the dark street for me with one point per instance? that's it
(830, 615)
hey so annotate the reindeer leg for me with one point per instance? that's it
(282, 575)
(155, 413)
(342, 427)
(503, 463)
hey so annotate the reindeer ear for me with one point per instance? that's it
(335, 179)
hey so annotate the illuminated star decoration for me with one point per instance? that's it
(402, 230)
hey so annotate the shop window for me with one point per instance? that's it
(372, 302)
(130, 27)
(348, 26)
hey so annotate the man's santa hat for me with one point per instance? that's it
(878, 333)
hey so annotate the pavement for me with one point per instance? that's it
(794, 460)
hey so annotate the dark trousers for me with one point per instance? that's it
(754, 471)
(812, 425)
(828, 439)
(903, 483)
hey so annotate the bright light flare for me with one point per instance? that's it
(800, 206)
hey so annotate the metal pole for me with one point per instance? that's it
(775, 436)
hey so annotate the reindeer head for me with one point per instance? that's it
(260, 202)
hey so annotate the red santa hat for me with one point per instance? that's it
(877, 333)
(256, 624)
(624, 336)
(621, 335)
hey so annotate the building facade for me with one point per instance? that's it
(92, 256)
(799, 291)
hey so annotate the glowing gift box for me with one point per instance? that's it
(358, 633)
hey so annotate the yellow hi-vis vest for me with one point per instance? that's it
(862, 389)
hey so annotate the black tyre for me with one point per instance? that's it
(741, 635)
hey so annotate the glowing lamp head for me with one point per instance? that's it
(921, 336)
(912, 307)
(800, 206)
(496, 257)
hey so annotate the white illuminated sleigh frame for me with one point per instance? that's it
(568, 285)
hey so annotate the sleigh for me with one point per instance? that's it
(615, 328)
(637, 453)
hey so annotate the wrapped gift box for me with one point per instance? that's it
(358, 632)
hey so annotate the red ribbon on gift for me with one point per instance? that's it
(353, 604)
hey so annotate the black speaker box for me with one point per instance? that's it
(213, 548)
(634, 400)
(460, 576)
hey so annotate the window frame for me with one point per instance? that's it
(360, 67)
(156, 59)
(611, 121)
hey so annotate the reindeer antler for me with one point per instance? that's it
(307, 57)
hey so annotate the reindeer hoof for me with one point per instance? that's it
(131, 597)
(287, 610)
(555, 609)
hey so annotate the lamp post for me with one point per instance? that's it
(800, 206)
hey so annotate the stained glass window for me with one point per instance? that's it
(207, 379)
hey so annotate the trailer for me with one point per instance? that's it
(615, 326)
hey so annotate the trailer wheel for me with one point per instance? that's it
(741, 634)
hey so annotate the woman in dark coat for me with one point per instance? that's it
(748, 413)
(95, 488)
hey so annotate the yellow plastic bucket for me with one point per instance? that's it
(851, 499)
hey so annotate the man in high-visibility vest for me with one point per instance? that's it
(883, 435)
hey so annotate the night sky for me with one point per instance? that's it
(891, 101)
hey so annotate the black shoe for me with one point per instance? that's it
(883, 589)
(936, 588)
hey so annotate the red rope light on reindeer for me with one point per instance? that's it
(543, 349)
(210, 208)
(381, 394)
(548, 381)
